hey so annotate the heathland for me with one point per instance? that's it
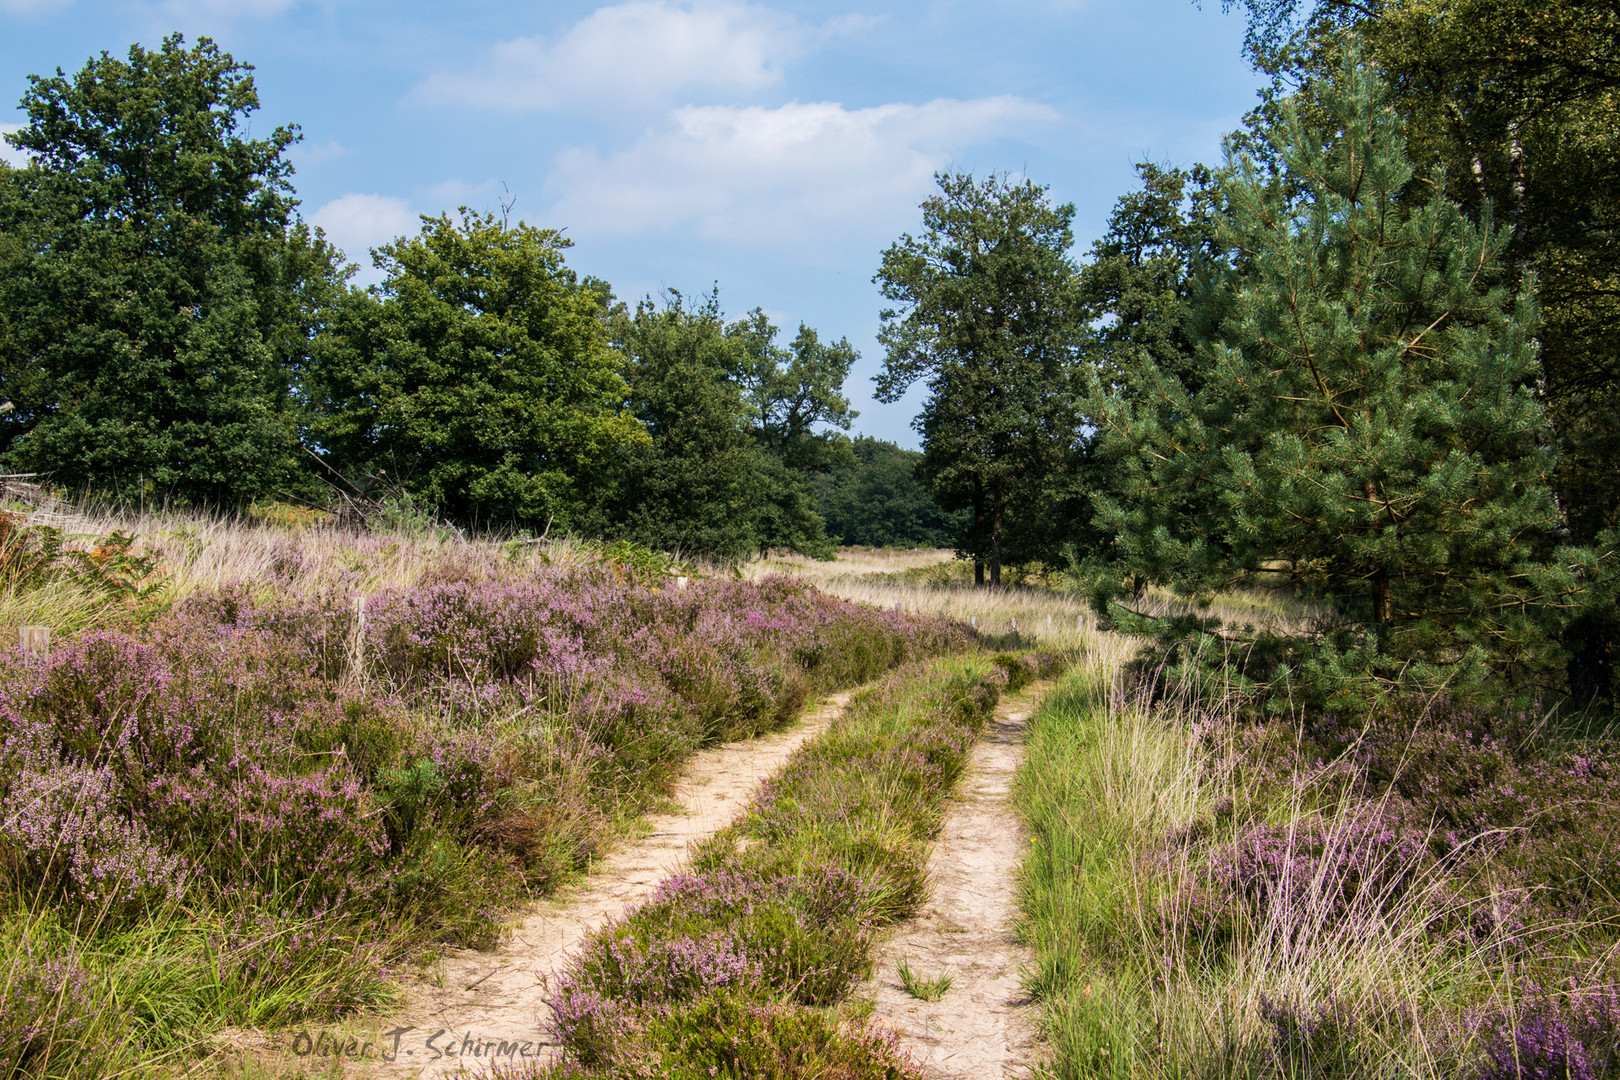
(256, 770)
(1304, 476)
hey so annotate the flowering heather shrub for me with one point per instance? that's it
(47, 1007)
(324, 799)
(1303, 878)
(1570, 1036)
(727, 1035)
(306, 842)
(64, 826)
(798, 937)
(1508, 834)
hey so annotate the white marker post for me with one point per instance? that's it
(34, 640)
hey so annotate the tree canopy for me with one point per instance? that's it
(478, 377)
(986, 315)
(156, 284)
(708, 482)
(1511, 105)
(1366, 422)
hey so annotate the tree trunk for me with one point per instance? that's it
(978, 535)
(1380, 581)
(1381, 603)
(998, 511)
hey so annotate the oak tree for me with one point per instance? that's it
(985, 314)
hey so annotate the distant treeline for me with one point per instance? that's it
(172, 330)
(1369, 358)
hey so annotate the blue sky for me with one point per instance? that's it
(775, 148)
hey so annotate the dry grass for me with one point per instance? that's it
(1133, 983)
(935, 582)
(203, 553)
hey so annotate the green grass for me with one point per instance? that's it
(1095, 789)
(1140, 977)
(921, 987)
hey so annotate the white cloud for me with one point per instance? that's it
(800, 173)
(8, 153)
(638, 51)
(312, 154)
(357, 223)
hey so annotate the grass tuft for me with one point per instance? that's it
(920, 987)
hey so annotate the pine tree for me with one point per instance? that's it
(1366, 422)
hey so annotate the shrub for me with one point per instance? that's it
(301, 791)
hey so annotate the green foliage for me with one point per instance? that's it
(705, 484)
(879, 500)
(986, 314)
(789, 391)
(155, 288)
(729, 1035)
(478, 378)
(1366, 419)
(114, 569)
(1510, 105)
(639, 563)
(1134, 293)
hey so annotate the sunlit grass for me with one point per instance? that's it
(1121, 798)
(922, 987)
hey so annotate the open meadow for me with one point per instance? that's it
(265, 776)
(259, 770)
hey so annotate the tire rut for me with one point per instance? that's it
(479, 1001)
(986, 1025)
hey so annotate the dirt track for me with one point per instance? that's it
(479, 1001)
(486, 1008)
(985, 1025)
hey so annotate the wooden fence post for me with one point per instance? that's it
(357, 652)
(34, 640)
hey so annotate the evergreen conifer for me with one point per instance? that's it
(1366, 421)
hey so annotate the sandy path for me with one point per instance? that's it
(985, 1025)
(481, 1000)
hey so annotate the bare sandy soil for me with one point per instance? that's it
(984, 1026)
(481, 1008)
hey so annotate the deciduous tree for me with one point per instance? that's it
(157, 286)
(478, 376)
(986, 315)
(704, 483)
